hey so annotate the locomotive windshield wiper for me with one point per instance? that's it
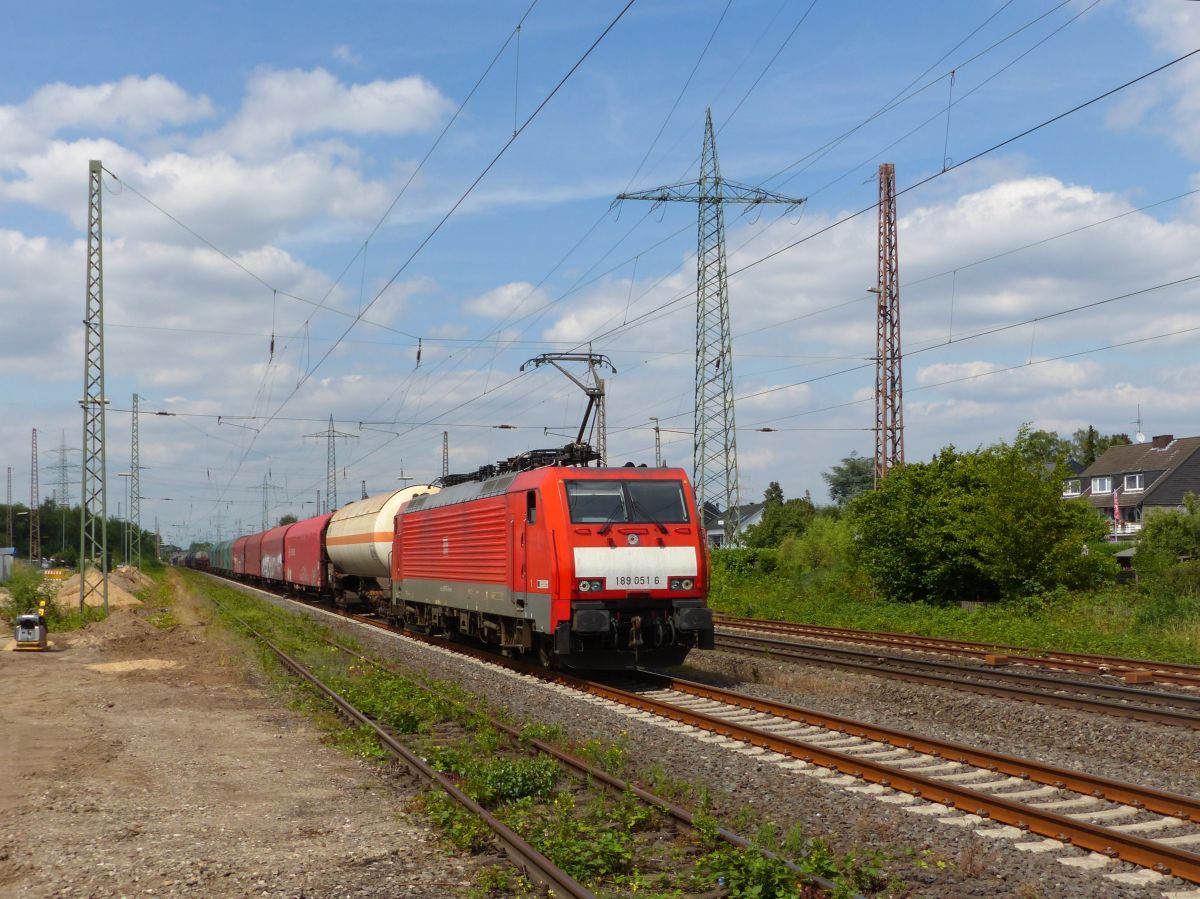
(650, 518)
(611, 520)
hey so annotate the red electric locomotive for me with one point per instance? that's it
(587, 567)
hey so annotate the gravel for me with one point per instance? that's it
(933, 859)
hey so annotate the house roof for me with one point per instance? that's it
(712, 514)
(1162, 454)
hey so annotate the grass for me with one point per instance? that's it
(1150, 622)
(26, 587)
(615, 844)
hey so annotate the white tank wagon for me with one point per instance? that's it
(359, 542)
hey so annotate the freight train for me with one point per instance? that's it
(581, 567)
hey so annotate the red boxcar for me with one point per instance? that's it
(589, 566)
(271, 563)
(254, 555)
(239, 555)
(304, 559)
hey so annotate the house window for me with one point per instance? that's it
(1072, 487)
(1134, 482)
(1101, 485)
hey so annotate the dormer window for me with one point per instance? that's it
(1072, 487)
(1135, 482)
(1101, 485)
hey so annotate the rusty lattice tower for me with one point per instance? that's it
(889, 384)
(714, 447)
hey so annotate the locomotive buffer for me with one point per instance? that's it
(31, 630)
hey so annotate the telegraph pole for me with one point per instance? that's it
(135, 488)
(593, 388)
(93, 506)
(331, 435)
(889, 386)
(35, 519)
(714, 453)
(445, 453)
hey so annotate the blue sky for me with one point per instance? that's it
(282, 132)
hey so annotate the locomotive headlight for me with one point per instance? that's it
(675, 583)
(585, 586)
(687, 583)
(597, 585)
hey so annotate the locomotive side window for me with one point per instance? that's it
(531, 506)
(619, 502)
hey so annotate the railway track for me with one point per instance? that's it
(1175, 709)
(1132, 670)
(1043, 807)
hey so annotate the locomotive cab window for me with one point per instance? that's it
(632, 501)
(531, 506)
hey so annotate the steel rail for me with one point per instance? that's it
(1179, 673)
(1137, 850)
(535, 865)
(873, 663)
(614, 783)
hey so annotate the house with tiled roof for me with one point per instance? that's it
(1127, 482)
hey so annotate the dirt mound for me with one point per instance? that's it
(121, 626)
(129, 578)
(119, 597)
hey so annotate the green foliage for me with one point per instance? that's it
(463, 829)
(288, 519)
(779, 521)
(1167, 536)
(989, 524)
(744, 561)
(581, 842)
(828, 544)
(773, 495)
(855, 474)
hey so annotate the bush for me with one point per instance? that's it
(828, 544)
(1168, 536)
(744, 561)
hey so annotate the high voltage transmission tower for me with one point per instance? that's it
(135, 487)
(266, 486)
(714, 452)
(331, 435)
(889, 385)
(11, 536)
(35, 517)
(93, 505)
(445, 453)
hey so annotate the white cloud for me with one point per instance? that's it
(506, 300)
(281, 106)
(343, 53)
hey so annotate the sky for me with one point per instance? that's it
(314, 211)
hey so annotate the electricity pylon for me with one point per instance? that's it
(93, 505)
(135, 487)
(714, 450)
(889, 385)
(445, 453)
(35, 516)
(331, 435)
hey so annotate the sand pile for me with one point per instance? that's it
(128, 578)
(118, 596)
(122, 626)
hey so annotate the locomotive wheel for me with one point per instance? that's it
(545, 652)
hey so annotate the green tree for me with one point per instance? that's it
(855, 474)
(779, 521)
(1167, 536)
(773, 495)
(1088, 444)
(288, 519)
(989, 524)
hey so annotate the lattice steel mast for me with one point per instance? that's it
(135, 487)
(889, 385)
(11, 535)
(445, 453)
(714, 450)
(93, 506)
(35, 515)
(331, 435)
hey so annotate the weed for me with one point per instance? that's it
(463, 829)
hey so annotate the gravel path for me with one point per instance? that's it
(932, 859)
(136, 761)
